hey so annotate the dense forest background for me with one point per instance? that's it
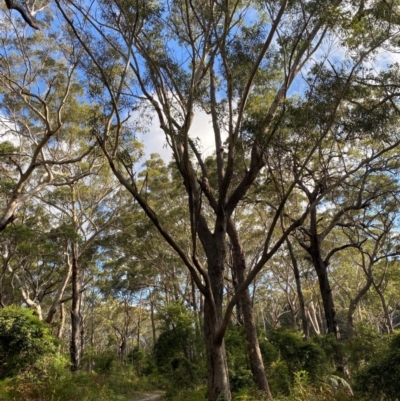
(260, 260)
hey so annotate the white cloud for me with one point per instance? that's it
(155, 142)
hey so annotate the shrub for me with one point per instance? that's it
(240, 375)
(298, 354)
(177, 352)
(24, 341)
(364, 347)
(380, 378)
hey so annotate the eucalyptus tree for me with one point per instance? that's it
(31, 260)
(42, 112)
(135, 258)
(85, 209)
(374, 231)
(238, 61)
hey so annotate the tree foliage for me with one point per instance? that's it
(24, 341)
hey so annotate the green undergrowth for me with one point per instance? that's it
(121, 384)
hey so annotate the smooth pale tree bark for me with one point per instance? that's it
(58, 299)
(76, 318)
(313, 317)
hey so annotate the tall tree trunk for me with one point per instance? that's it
(75, 348)
(296, 271)
(217, 366)
(246, 307)
(321, 268)
(90, 367)
(326, 294)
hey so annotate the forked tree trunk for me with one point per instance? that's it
(353, 305)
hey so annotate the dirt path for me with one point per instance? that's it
(152, 397)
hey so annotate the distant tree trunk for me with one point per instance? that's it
(122, 350)
(75, 348)
(82, 333)
(90, 367)
(313, 318)
(139, 324)
(61, 325)
(61, 290)
(3, 272)
(153, 324)
(388, 320)
(303, 314)
(353, 305)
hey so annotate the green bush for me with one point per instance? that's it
(334, 351)
(299, 355)
(279, 378)
(24, 341)
(103, 362)
(177, 352)
(364, 347)
(380, 379)
(240, 375)
(268, 351)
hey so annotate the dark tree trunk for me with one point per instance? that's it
(296, 271)
(326, 294)
(217, 366)
(321, 268)
(246, 308)
(218, 377)
(122, 350)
